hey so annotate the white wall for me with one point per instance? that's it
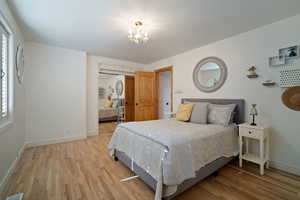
(239, 53)
(93, 65)
(12, 139)
(55, 94)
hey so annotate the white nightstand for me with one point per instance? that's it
(261, 133)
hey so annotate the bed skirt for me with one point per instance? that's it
(108, 119)
(201, 174)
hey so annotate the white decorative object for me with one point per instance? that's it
(277, 60)
(19, 59)
(119, 87)
(260, 133)
(138, 33)
(289, 78)
(289, 52)
(268, 83)
(285, 56)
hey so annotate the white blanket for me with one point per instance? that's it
(183, 147)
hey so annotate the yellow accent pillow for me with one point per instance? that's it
(184, 112)
(108, 104)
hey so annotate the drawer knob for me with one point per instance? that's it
(250, 132)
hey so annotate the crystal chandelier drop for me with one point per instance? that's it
(137, 33)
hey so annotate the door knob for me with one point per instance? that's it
(167, 103)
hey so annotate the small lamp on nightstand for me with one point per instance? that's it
(253, 112)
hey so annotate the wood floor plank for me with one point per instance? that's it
(279, 182)
(83, 170)
(107, 127)
(221, 190)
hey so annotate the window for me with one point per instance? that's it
(4, 76)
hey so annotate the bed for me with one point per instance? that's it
(110, 114)
(171, 156)
(107, 114)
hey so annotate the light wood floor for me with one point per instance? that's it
(83, 170)
(107, 127)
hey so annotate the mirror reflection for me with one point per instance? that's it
(209, 74)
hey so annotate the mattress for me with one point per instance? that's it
(172, 151)
(107, 112)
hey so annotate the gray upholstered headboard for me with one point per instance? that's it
(239, 116)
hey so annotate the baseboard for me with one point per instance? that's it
(11, 169)
(285, 167)
(54, 141)
(93, 132)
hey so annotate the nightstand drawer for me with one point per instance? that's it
(251, 133)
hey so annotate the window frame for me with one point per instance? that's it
(8, 121)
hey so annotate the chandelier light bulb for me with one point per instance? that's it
(137, 33)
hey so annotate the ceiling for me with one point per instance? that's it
(100, 27)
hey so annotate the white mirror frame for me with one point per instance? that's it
(19, 61)
(119, 87)
(219, 83)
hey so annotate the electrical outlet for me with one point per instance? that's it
(15, 197)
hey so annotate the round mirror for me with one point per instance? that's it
(20, 63)
(210, 74)
(119, 87)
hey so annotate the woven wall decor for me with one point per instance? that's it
(291, 98)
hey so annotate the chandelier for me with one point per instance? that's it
(137, 33)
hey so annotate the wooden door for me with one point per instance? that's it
(145, 96)
(129, 98)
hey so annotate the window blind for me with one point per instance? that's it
(4, 73)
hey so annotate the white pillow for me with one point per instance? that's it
(220, 114)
